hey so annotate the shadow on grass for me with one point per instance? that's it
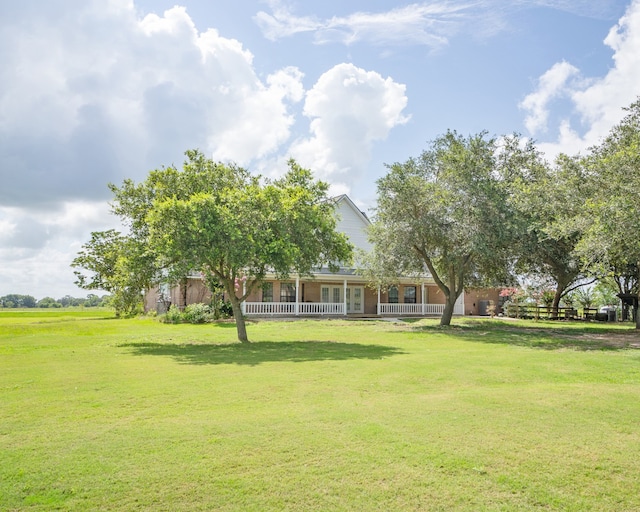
(573, 336)
(206, 325)
(262, 352)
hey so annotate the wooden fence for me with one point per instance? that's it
(550, 313)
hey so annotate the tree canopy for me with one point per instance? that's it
(447, 212)
(222, 222)
(119, 264)
(547, 200)
(610, 240)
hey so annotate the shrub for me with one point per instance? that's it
(196, 313)
(173, 316)
(584, 297)
(221, 309)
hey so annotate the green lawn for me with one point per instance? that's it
(105, 414)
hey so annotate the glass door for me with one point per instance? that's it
(355, 302)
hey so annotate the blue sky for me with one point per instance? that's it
(95, 91)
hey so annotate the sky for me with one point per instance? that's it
(93, 92)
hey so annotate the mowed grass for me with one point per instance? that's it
(105, 414)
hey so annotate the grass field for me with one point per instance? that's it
(105, 414)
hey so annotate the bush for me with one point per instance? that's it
(173, 316)
(222, 309)
(196, 313)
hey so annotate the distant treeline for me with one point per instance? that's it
(15, 300)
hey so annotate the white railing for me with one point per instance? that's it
(289, 308)
(401, 309)
(332, 308)
(321, 308)
(269, 308)
(417, 309)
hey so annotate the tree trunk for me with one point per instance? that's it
(635, 309)
(236, 306)
(241, 327)
(183, 289)
(555, 305)
(239, 318)
(445, 319)
(637, 316)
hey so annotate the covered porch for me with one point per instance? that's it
(345, 296)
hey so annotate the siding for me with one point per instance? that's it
(352, 223)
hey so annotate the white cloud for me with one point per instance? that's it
(262, 122)
(602, 9)
(427, 24)
(93, 93)
(37, 247)
(282, 23)
(431, 24)
(350, 109)
(597, 102)
(551, 84)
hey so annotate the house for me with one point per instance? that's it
(343, 293)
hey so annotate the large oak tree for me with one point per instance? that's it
(231, 226)
(547, 200)
(447, 212)
(612, 214)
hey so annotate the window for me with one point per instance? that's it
(332, 294)
(267, 292)
(287, 292)
(393, 295)
(409, 294)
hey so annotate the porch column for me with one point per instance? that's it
(378, 304)
(422, 297)
(297, 295)
(344, 297)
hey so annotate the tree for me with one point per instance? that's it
(448, 211)
(223, 222)
(119, 264)
(15, 300)
(48, 302)
(611, 238)
(547, 200)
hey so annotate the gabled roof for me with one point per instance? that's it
(345, 198)
(353, 222)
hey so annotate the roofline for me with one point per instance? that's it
(349, 201)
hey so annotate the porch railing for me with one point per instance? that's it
(289, 308)
(321, 308)
(269, 308)
(417, 309)
(332, 308)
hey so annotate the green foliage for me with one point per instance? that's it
(221, 309)
(547, 296)
(611, 242)
(197, 313)
(119, 264)
(547, 200)
(48, 302)
(27, 301)
(229, 225)
(173, 316)
(585, 296)
(605, 292)
(448, 211)
(15, 300)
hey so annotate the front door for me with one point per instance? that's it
(355, 299)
